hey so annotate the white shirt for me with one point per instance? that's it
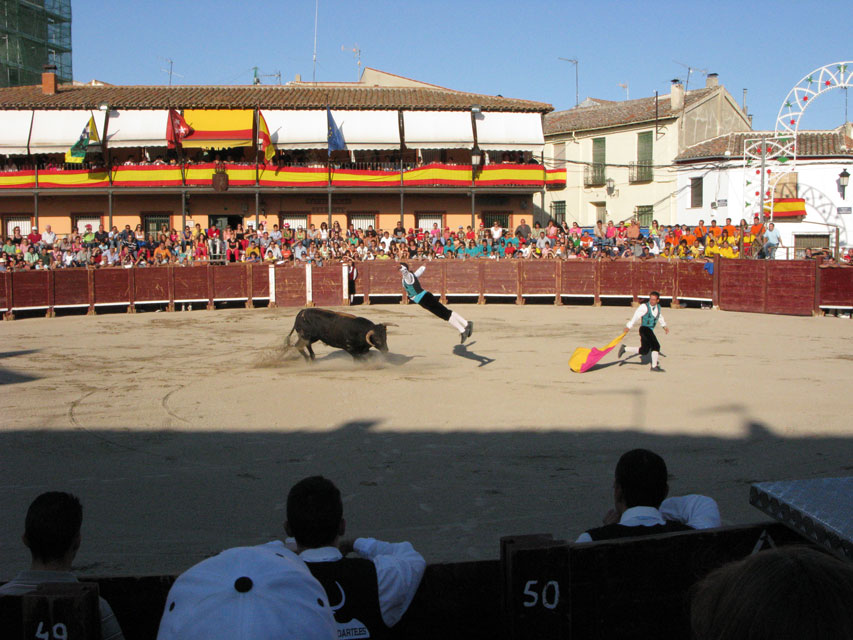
(399, 569)
(641, 311)
(497, 233)
(698, 512)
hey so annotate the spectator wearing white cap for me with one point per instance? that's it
(368, 593)
(247, 593)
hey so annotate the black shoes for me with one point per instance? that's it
(469, 329)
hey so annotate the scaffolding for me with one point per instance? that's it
(33, 34)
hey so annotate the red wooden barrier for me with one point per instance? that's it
(790, 288)
(151, 285)
(578, 278)
(290, 286)
(694, 281)
(230, 282)
(326, 286)
(30, 289)
(785, 287)
(742, 285)
(836, 287)
(112, 286)
(70, 288)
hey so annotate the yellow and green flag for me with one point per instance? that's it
(89, 135)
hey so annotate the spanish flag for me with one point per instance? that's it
(89, 135)
(786, 208)
(264, 138)
(583, 359)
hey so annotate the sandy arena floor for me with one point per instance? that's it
(182, 432)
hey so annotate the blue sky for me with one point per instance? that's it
(497, 47)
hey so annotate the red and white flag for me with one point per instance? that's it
(176, 129)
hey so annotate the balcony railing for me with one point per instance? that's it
(248, 175)
(593, 175)
(640, 172)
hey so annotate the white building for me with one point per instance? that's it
(620, 155)
(810, 206)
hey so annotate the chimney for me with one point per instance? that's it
(298, 78)
(713, 80)
(676, 96)
(48, 80)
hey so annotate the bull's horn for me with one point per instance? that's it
(369, 337)
(390, 324)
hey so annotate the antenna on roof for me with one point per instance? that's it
(356, 51)
(624, 85)
(169, 70)
(256, 79)
(690, 70)
(314, 67)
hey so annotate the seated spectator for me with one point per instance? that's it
(788, 592)
(640, 508)
(161, 254)
(52, 534)
(247, 593)
(373, 589)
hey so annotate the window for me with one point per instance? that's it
(362, 220)
(489, 218)
(24, 222)
(294, 220)
(81, 220)
(558, 211)
(642, 170)
(425, 220)
(695, 193)
(152, 224)
(645, 214)
(803, 241)
(559, 154)
(594, 175)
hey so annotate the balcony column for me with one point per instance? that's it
(183, 209)
(36, 209)
(257, 210)
(110, 209)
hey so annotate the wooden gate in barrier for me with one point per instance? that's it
(797, 287)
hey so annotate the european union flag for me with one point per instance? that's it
(336, 140)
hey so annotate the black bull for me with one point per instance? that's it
(340, 330)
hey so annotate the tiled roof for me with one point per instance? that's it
(612, 114)
(298, 96)
(814, 144)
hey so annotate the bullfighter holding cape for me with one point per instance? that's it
(429, 302)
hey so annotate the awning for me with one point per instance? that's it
(438, 129)
(297, 129)
(786, 208)
(15, 131)
(56, 131)
(137, 129)
(498, 131)
(369, 129)
(219, 128)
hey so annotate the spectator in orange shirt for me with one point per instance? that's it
(714, 230)
(161, 254)
(729, 227)
(700, 231)
(687, 235)
(757, 227)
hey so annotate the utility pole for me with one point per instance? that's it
(763, 164)
(624, 85)
(574, 61)
(316, 15)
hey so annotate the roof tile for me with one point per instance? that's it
(810, 144)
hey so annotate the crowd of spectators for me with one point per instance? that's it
(281, 245)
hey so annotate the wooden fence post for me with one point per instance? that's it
(90, 281)
(596, 284)
(715, 287)
(675, 304)
(558, 297)
(51, 293)
(519, 282)
(481, 281)
(10, 302)
(170, 285)
(817, 311)
(249, 285)
(210, 288)
(131, 290)
(366, 279)
(443, 298)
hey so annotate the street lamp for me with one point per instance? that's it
(843, 181)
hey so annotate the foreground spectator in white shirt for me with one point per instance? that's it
(52, 534)
(641, 506)
(368, 593)
(247, 593)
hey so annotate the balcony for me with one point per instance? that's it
(250, 175)
(640, 172)
(594, 175)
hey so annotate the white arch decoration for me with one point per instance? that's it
(779, 151)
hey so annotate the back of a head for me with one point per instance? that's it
(314, 512)
(643, 477)
(796, 593)
(52, 524)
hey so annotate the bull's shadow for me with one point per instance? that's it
(9, 376)
(462, 351)
(375, 358)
